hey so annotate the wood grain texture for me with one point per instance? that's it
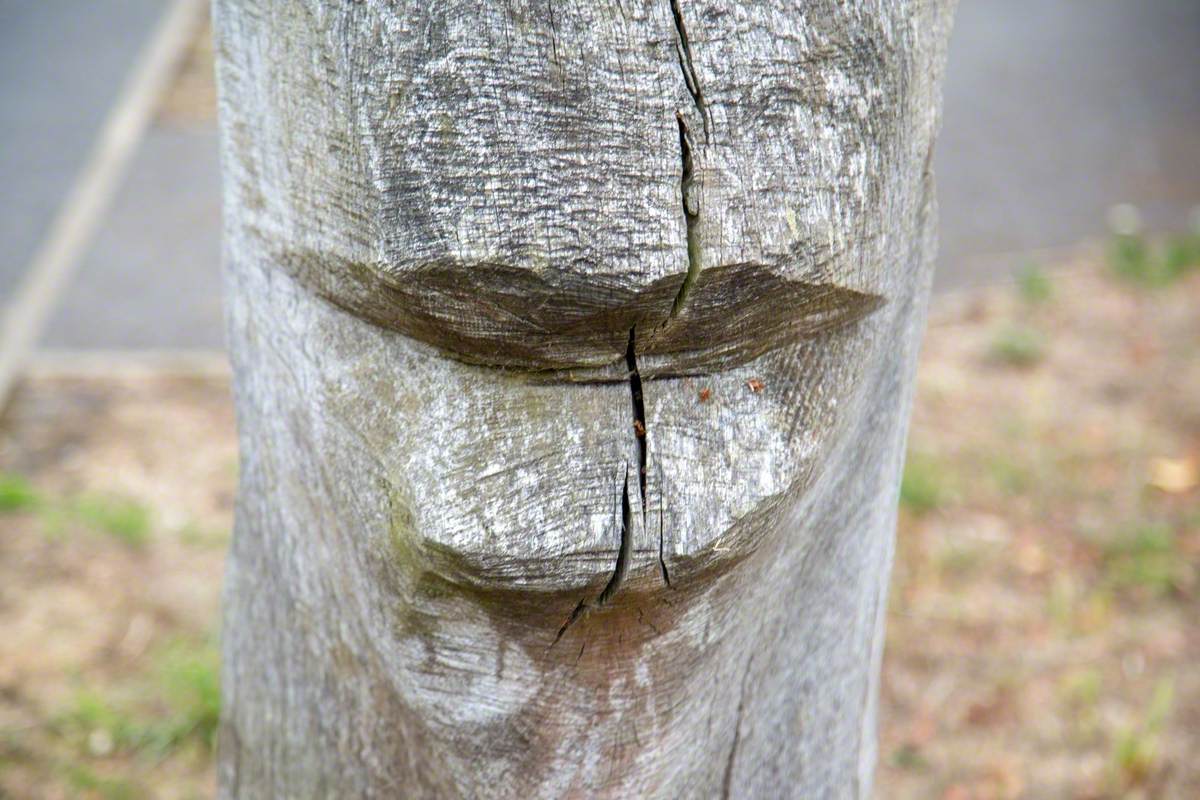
(573, 347)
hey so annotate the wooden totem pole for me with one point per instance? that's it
(573, 349)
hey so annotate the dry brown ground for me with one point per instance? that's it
(1043, 637)
(115, 508)
(1042, 642)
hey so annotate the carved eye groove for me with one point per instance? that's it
(574, 327)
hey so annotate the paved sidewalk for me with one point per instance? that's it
(1057, 109)
(62, 63)
(152, 276)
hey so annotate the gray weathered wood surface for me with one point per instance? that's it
(573, 348)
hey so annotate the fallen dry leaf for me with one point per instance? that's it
(1174, 475)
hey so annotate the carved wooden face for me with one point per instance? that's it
(608, 313)
(536, 309)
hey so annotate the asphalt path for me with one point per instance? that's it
(1055, 110)
(62, 65)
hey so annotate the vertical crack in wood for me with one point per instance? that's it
(624, 552)
(691, 217)
(691, 214)
(687, 148)
(662, 533)
(639, 414)
(641, 434)
(683, 50)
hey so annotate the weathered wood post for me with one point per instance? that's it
(573, 348)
